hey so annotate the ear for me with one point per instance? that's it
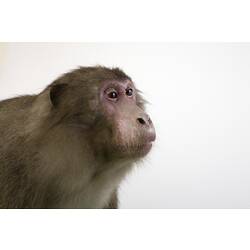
(56, 92)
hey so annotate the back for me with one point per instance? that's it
(13, 114)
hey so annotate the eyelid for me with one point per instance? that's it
(129, 89)
(109, 90)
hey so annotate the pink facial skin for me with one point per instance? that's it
(133, 128)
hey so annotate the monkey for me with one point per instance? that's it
(71, 145)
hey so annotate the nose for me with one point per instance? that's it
(144, 120)
(147, 125)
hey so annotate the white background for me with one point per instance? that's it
(199, 95)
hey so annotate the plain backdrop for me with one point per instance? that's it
(199, 96)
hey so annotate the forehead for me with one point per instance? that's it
(117, 83)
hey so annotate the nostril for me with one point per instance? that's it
(141, 121)
(149, 120)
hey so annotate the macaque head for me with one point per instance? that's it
(108, 108)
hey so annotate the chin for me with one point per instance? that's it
(144, 149)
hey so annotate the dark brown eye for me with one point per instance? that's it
(129, 92)
(113, 95)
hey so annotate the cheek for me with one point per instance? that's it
(93, 105)
(109, 110)
(125, 132)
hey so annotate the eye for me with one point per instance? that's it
(113, 95)
(129, 92)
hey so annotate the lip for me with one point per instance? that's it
(150, 135)
(145, 148)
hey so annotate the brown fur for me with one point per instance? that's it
(54, 146)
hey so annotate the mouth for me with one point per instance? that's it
(139, 150)
(147, 146)
(144, 149)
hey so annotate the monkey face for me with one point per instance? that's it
(131, 130)
(106, 104)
